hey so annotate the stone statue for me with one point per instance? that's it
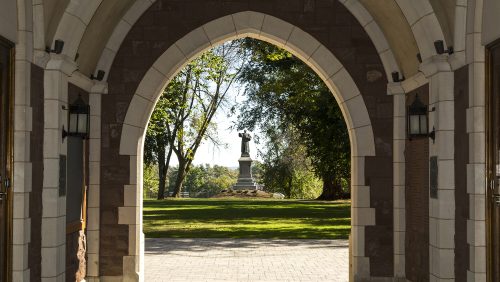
(245, 147)
(245, 179)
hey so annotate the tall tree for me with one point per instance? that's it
(183, 117)
(285, 93)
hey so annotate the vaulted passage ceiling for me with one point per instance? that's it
(390, 15)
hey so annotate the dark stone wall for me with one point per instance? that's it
(169, 20)
(461, 161)
(36, 154)
(417, 200)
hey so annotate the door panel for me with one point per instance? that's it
(5, 155)
(493, 191)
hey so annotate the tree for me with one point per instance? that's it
(206, 181)
(286, 167)
(285, 94)
(182, 119)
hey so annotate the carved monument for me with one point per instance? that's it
(245, 179)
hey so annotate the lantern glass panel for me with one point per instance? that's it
(82, 123)
(73, 123)
(423, 124)
(414, 124)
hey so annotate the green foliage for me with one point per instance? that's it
(227, 218)
(182, 119)
(286, 98)
(206, 180)
(150, 181)
(286, 168)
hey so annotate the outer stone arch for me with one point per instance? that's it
(282, 34)
(356, 76)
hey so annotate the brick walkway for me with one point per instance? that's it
(246, 260)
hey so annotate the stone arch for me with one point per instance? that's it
(282, 34)
(425, 25)
(354, 6)
(74, 21)
(355, 74)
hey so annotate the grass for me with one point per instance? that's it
(236, 218)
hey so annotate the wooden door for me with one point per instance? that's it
(6, 49)
(493, 156)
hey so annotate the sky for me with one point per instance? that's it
(224, 155)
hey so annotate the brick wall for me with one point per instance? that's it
(167, 21)
(417, 200)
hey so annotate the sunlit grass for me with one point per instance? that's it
(230, 218)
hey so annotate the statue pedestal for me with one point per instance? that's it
(245, 179)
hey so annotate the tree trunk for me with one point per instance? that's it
(181, 175)
(331, 189)
(161, 168)
(163, 172)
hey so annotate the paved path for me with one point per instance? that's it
(246, 260)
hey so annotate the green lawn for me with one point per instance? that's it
(230, 218)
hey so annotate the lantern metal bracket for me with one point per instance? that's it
(432, 135)
(64, 133)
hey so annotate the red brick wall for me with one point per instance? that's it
(169, 20)
(417, 200)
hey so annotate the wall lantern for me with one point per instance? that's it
(79, 119)
(417, 121)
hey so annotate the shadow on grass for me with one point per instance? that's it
(271, 219)
(161, 246)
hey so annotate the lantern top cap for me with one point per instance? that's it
(417, 107)
(79, 106)
(79, 101)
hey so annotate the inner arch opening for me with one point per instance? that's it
(300, 44)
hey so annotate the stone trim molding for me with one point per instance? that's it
(56, 74)
(22, 127)
(407, 85)
(354, 6)
(442, 209)
(476, 127)
(458, 59)
(424, 24)
(93, 206)
(119, 33)
(283, 34)
(399, 166)
(375, 33)
(73, 23)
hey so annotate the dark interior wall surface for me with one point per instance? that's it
(417, 199)
(461, 161)
(165, 22)
(75, 239)
(36, 153)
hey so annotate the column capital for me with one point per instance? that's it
(62, 63)
(395, 88)
(99, 87)
(435, 64)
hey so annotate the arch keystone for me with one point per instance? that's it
(217, 30)
(248, 22)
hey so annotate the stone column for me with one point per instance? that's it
(442, 207)
(93, 213)
(56, 75)
(398, 93)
